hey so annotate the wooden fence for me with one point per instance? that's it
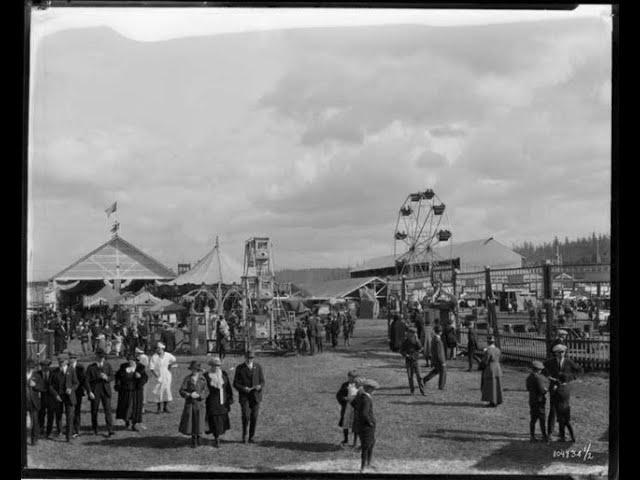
(590, 354)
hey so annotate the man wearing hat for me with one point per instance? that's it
(410, 350)
(35, 386)
(79, 393)
(438, 359)
(561, 338)
(536, 386)
(249, 381)
(98, 380)
(144, 361)
(553, 367)
(397, 333)
(47, 400)
(365, 421)
(63, 385)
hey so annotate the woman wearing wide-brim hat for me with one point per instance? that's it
(194, 390)
(219, 400)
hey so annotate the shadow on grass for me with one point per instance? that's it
(143, 442)
(301, 446)
(441, 404)
(531, 458)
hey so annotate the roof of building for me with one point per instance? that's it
(335, 288)
(102, 263)
(473, 255)
(215, 267)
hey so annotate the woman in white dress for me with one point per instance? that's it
(160, 388)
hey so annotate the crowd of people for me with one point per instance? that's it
(312, 331)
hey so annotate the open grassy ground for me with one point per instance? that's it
(443, 432)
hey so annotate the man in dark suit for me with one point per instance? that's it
(59, 336)
(398, 332)
(47, 401)
(438, 359)
(410, 350)
(249, 381)
(472, 345)
(34, 387)
(312, 331)
(553, 367)
(79, 393)
(62, 385)
(98, 378)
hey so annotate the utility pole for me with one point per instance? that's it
(548, 302)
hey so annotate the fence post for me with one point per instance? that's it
(548, 301)
(491, 306)
(403, 293)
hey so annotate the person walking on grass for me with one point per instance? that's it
(98, 380)
(63, 385)
(219, 401)
(79, 393)
(472, 345)
(312, 331)
(536, 386)
(345, 396)
(491, 380)
(130, 381)
(410, 350)
(562, 406)
(249, 381)
(194, 390)
(35, 386)
(553, 367)
(363, 404)
(438, 360)
(319, 334)
(160, 367)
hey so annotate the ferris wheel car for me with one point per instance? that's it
(444, 235)
(428, 194)
(406, 210)
(415, 197)
(438, 209)
(401, 235)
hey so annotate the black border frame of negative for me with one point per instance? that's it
(22, 192)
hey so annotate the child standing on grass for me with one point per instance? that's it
(562, 399)
(363, 405)
(345, 395)
(536, 385)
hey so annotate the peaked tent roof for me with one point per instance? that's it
(166, 306)
(101, 264)
(215, 267)
(106, 295)
(336, 288)
(473, 255)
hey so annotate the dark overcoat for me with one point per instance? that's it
(194, 411)
(218, 413)
(249, 378)
(95, 384)
(364, 420)
(60, 382)
(130, 393)
(491, 380)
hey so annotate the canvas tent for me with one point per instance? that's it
(215, 267)
(165, 307)
(106, 296)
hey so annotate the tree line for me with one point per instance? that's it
(595, 248)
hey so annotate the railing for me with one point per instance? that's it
(590, 354)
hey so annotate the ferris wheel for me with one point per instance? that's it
(422, 234)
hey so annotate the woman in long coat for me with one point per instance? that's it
(194, 390)
(130, 381)
(491, 381)
(219, 400)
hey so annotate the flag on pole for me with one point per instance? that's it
(111, 209)
(115, 227)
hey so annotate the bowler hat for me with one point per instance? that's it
(45, 363)
(352, 373)
(101, 353)
(250, 354)
(490, 339)
(63, 357)
(537, 364)
(31, 363)
(73, 356)
(139, 351)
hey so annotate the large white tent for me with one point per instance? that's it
(215, 267)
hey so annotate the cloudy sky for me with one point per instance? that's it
(312, 127)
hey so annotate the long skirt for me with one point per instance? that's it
(347, 420)
(129, 407)
(491, 387)
(193, 417)
(218, 423)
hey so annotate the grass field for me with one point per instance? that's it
(446, 431)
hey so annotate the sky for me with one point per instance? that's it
(312, 127)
